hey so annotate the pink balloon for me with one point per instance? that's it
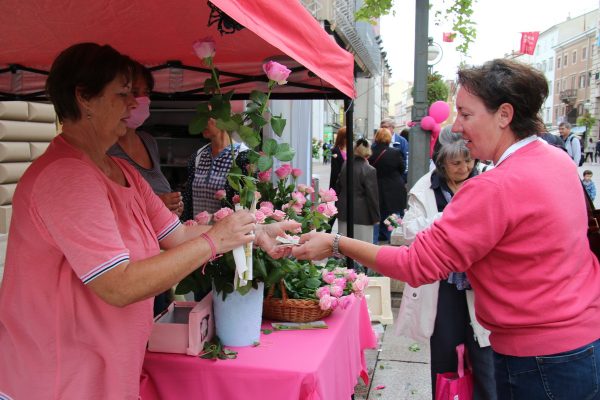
(436, 130)
(440, 110)
(427, 123)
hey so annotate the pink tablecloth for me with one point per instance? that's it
(308, 365)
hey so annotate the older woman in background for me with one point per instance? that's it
(366, 204)
(390, 164)
(536, 280)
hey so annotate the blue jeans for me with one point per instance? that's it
(574, 374)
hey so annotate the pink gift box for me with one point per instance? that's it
(183, 328)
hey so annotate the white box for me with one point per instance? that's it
(183, 328)
(379, 300)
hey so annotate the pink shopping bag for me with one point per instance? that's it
(456, 385)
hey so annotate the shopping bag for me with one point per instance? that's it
(456, 385)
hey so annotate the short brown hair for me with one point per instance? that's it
(506, 81)
(383, 135)
(88, 67)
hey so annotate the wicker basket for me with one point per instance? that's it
(292, 310)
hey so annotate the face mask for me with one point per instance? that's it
(138, 115)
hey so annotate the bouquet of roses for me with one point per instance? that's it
(393, 221)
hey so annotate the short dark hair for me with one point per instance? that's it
(506, 81)
(587, 172)
(88, 67)
(140, 70)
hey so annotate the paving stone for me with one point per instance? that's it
(401, 380)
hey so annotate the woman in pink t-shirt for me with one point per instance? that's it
(519, 232)
(83, 258)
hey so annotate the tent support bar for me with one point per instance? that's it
(349, 107)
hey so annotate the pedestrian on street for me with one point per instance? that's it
(536, 280)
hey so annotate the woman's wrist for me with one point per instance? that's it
(335, 246)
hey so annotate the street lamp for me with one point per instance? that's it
(434, 53)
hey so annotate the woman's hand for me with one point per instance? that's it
(173, 201)
(233, 231)
(266, 234)
(314, 246)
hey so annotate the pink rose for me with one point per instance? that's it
(236, 199)
(334, 303)
(360, 284)
(336, 291)
(267, 204)
(222, 213)
(278, 215)
(351, 275)
(301, 187)
(390, 228)
(322, 291)
(260, 217)
(296, 172)
(297, 207)
(203, 218)
(204, 48)
(220, 194)
(325, 302)
(328, 195)
(283, 171)
(341, 282)
(265, 176)
(190, 222)
(276, 72)
(327, 209)
(299, 198)
(327, 276)
(267, 212)
(344, 302)
(309, 190)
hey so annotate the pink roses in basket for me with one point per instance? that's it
(341, 283)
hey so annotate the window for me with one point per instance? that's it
(565, 59)
(557, 62)
(556, 113)
(573, 82)
(557, 86)
(550, 87)
(544, 66)
(580, 109)
(563, 85)
(551, 64)
(584, 53)
(574, 57)
(581, 81)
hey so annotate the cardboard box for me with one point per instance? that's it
(183, 328)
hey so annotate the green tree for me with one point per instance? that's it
(436, 88)
(456, 12)
(588, 121)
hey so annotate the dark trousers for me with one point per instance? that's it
(453, 327)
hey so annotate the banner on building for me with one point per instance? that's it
(528, 42)
(449, 36)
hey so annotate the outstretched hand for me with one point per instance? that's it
(266, 234)
(233, 231)
(314, 246)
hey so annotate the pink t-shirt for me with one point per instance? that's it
(519, 231)
(71, 224)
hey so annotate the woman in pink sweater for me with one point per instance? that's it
(528, 260)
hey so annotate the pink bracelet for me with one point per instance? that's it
(213, 248)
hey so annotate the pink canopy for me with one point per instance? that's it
(160, 34)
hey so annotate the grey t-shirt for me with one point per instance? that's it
(153, 176)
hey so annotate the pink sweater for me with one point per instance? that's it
(519, 231)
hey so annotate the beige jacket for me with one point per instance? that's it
(416, 318)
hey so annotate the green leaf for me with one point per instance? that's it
(258, 96)
(253, 156)
(264, 163)
(249, 136)
(202, 108)
(285, 152)
(270, 147)
(234, 182)
(257, 120)
(235, 170)
(228, 125)
(186, 285)
(198, 124)
(258, 266)
(312, 283)
(278, 124)
(267, 331)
